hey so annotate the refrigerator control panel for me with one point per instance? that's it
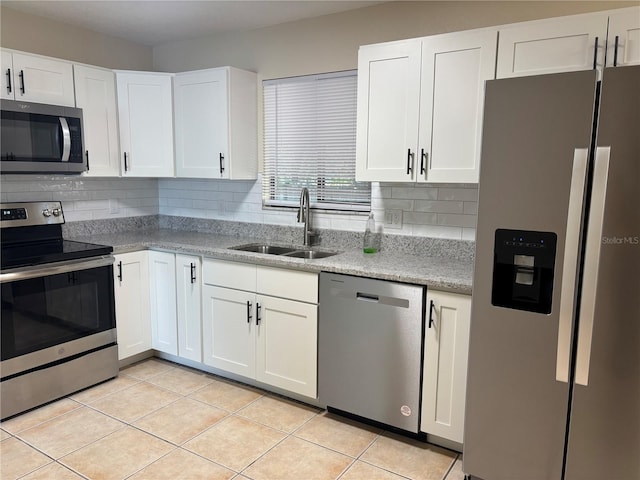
(523, 268)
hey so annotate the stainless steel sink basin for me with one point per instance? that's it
(264, 248)
(309, 254)
(293, 252)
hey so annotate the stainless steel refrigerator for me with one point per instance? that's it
(554, 362)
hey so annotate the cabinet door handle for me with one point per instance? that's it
(221, 164)
(120, 271)
(21, 75)
(595, 55)
(424, 158)
(193, 273)
(87, 154)
(432, 307)
(249, 316)
(125, 162)
(615, 51)
(409, 161)
(258, 307)
(9, 79)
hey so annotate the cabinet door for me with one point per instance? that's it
(454, 69)
(388, 107)
(188, 296)
(623, 45)
(133, 320)
(228, 330)
(162, 297)
(43, 80)
(561, 44)
(96, 95)
(202, 123)
(287, 340)
(445, 365)
(7, 89)
(145, 115)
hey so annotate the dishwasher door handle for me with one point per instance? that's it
(367, 297)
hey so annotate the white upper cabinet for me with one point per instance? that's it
(145, 114)
(96, 95)
(215, 124)
(623, 45)
(454, 70)
(388, 111)
(562, 44)
(8, 87)
(32, 78)
(420, 107)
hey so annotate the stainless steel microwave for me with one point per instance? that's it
(38, 138)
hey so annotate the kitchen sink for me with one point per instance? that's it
(293, 252)
(310, 254)
(264, 248)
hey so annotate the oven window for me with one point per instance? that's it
(47, 311)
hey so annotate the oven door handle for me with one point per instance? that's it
(38, 271)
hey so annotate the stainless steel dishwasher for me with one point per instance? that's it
(370, 348)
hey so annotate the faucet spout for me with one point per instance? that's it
(304, 214)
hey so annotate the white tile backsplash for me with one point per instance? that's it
(442, 211)
(85, 198)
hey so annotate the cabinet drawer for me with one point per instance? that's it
(241, 276)
(279, 282)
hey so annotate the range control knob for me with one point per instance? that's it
(46, 212)
(56, 212)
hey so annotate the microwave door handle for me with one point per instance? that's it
(66, 139)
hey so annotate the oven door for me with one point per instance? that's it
(55, 312)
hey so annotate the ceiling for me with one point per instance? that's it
(152, 22)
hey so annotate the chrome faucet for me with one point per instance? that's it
(304, 215)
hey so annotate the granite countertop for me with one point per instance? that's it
(440, 273)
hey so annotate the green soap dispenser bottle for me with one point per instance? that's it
(369, 243)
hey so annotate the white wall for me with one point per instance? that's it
(30, 33)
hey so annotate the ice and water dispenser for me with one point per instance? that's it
(523, 266)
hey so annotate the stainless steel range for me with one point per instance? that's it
(58, 327)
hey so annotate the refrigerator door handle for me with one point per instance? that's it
(570, 263)
(591, 264)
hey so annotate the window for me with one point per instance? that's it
(310, 141)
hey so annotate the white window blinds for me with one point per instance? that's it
(310, 141)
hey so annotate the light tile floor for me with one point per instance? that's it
(158, 420)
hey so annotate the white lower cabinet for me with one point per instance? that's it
(229, 331)
(175, 295)
(286, 344)
(133, 319)
(445, 364)
(188, 303)
(162, 295)
(271, 338)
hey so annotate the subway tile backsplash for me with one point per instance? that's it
(85, 198)
(429, 210)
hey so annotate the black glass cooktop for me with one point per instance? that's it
(21, 255)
